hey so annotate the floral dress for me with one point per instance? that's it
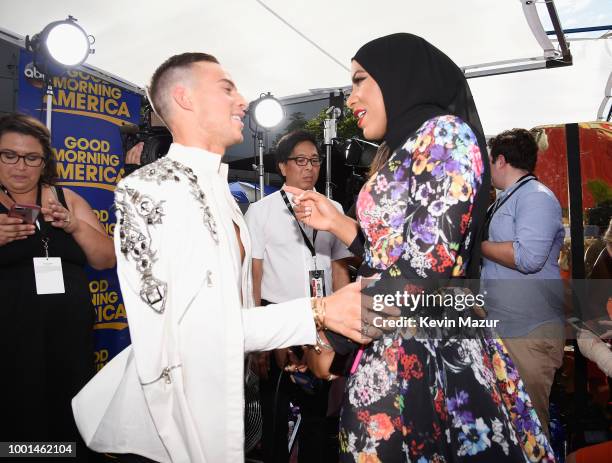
(426, 399)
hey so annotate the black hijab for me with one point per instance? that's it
(419, 82)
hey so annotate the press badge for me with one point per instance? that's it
(49, 276)
(317, 283)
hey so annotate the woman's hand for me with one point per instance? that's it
(81, 221)
(319, 363)
(314, 209)
(350, 313)
(59, 216)
(294, 363)
(13, 228)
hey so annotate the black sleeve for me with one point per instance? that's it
(344, 346)
(357, 246)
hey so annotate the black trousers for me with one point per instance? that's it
(317, 435)
(274, 394)
(275, 397)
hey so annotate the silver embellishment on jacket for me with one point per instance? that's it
(136, 245)
(165, 169)
(166, 374)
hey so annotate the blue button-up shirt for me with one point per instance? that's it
(532, 294)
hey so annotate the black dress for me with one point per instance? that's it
(46, 345)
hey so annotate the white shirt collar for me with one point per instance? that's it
(199, 160)
(290, 195)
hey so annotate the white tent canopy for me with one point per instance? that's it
(263, 54)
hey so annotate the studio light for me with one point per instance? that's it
(267, 111)
(63, 44)
(59, 46)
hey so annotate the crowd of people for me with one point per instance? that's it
(205, 287)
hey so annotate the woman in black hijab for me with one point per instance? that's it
(423, 394)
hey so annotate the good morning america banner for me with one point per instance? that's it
(87, 114)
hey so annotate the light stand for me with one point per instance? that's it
(267, 112)
(260, 168)
(258, 164)
(330, 132)
(49, 85)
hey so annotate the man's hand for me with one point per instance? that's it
(134, 153)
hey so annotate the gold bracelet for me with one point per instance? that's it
(318, 312)
(322, 313)
(323, 344)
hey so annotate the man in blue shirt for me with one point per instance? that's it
(520, 274)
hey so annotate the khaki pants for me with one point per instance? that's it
(537, 356)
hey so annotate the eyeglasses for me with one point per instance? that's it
(31, 159)
(300, 161)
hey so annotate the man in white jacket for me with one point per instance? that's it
(184, 265)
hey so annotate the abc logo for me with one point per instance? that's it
(33, 75)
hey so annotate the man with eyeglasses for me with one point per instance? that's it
(289, 261)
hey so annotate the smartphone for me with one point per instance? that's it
(27, 212)
(581, 325)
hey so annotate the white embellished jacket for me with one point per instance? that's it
(176, 394)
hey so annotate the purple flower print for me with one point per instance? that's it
(425, 229)
(445, 164)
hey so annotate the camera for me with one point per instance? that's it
(156, 137)
(359, 155)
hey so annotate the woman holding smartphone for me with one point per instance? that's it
(46, 348)
(420, 397)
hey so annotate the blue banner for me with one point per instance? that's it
(87, 113)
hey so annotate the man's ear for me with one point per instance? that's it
(182, 97)
(282, 167)
(502, 158)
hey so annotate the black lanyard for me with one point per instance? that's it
(309, 244)
(6, 192)
(493, 208)
(43, 226)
